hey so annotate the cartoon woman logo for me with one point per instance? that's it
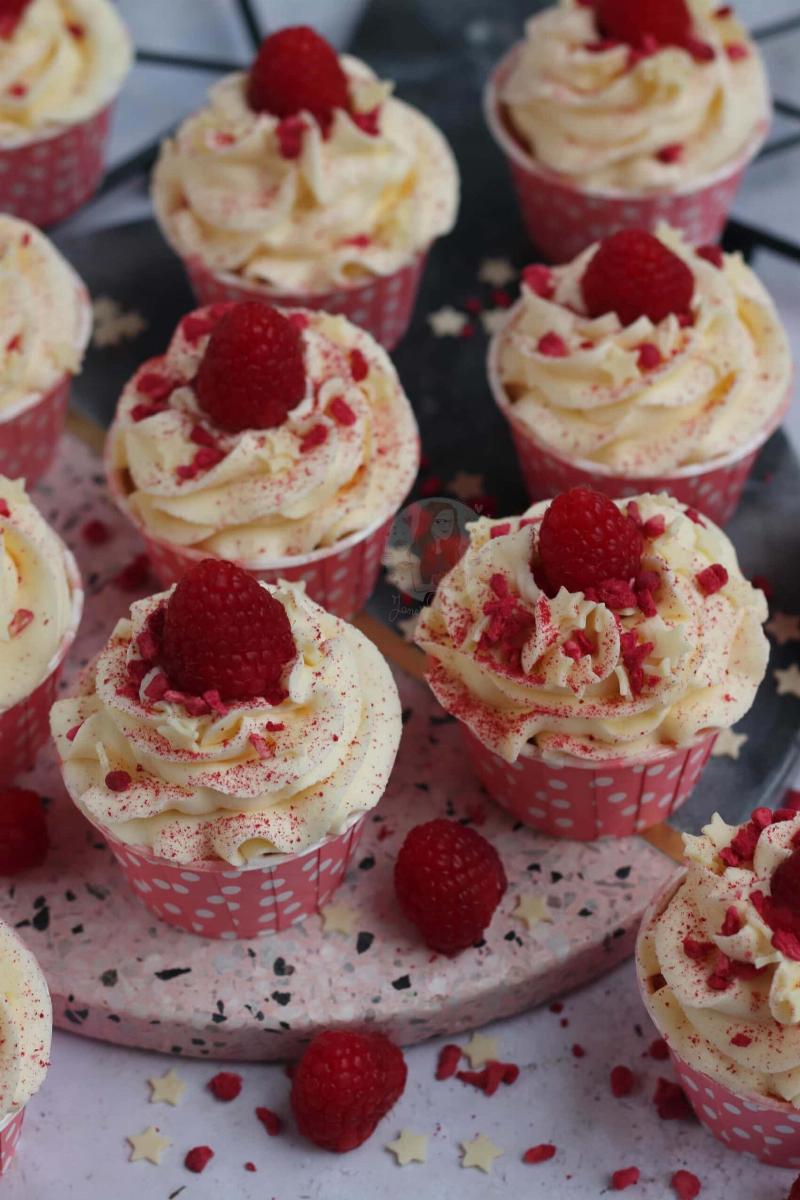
(427, 540)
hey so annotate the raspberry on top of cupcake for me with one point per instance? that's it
(38, 595)
(61, 61)
(263, 433)
(645, 354)
(305, 173)
(637, 95)
(26, 1024)
(723, 958)
(229, 719)
(595, 629)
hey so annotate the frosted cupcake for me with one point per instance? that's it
(279, 440)
(591, 652)
(617, 113)
(719, 965)
(228, 742)
(41, 600)
(45, 322)
(26, 1027)
(644, 365)
(62, 65)
(305, 182)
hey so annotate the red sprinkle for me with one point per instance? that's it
(671, 1102)
(695, 516)
(498, 531)
(341, 411)
(741, 1039)
(315, 437)
(449, 1058)
(118, 781)
(73, 733)
(649, 358)
(20, 621)
(156, 387)
(359, 367)
(736, 51)
(670, 154)
(659, 1050)
(655, 526)
(539, 1154)
(198, 1159)
(685, 1185)
(96, 533)
(578, 1051)
(552, 346)
(270, 1120)
(699, 50)
(226, 1085)
(249, 1166)
(141, 412)
(625, 1178)
(732, 923)
(712, 579)
(622, 1081)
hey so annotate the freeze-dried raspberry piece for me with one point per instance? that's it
(225, 1085)
(539, 1154)
(622, 1081)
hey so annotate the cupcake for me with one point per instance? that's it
(591, 652)
(62, 63)
(644, 365)
(306, 183)
(615, 113)
(45, 323)
(718, 961)
(280, 440)
(41, 601)
(228, 742)
(26, 1026)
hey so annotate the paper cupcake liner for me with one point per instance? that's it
(586, 801)
(766, 1128)
(30, 435)
(383, 307)
(10, 1133)
(341, 577)
(562, 220)
(215, 900)
(715, 488)
(46, 179)
(25, 727)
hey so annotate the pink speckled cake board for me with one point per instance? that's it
(119, 975)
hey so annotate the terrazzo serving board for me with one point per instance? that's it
(118, 974)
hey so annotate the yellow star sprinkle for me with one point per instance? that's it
(166, 1089)
(480, 1050)
(728, 744)
(532, 910)
(409, 1147)
(480, 1153)
(149, 1146)
(784, 628)
(447, 321)
(788, 681)
(338, 918)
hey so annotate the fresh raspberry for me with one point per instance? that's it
(295, 71)
(448, 880)
(785, 883)
(634, 21)
(585, 541)
(198, 1159)
(344, 1085)
(11, 13)
(685, 1185)
(252, 372)
(223, 632)
(225, 1085)
(635, 275)
(23, 831)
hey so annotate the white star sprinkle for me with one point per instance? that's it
(409, 1147)
(166, 1089)
(532, 910)
(784, 628)
(728, 744)
(480, 1050)
(447, 322)
(480, 1153)
(496, 271)
(149, 1146)
(466, 486)
(493, 320)
(112, 324)
(788, 681)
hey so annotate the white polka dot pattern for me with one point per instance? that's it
(593, 801)
(219, 901)
(768, 1129)
(10, 1133)
(29, 441)
(46, 180)
(383, 307)
(715, 491)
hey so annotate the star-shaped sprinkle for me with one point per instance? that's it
(166, 1089)
(784, 628)
(466, 486)
(480, 1050)
(149, 1146)
(493, 320)
(496, 271)
(480, 1153)
(338, 918)
(112, 324)
(409, 1147)
(532, 910)
(728, 744)
(788, 681)
(408, 626)
(447, 321)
